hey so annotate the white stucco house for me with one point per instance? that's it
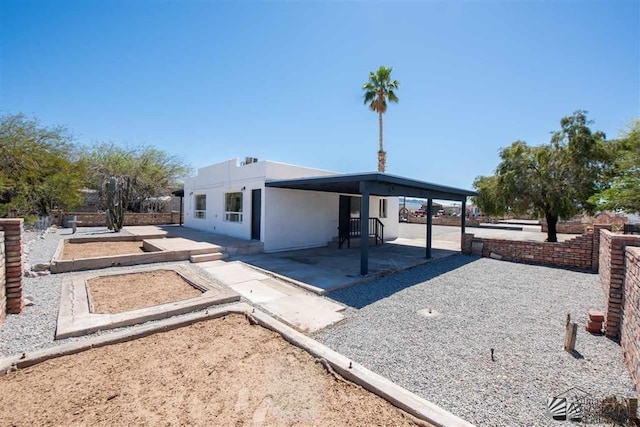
(235, 198)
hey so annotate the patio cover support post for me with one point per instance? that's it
(364, 228)
(429, 226)
(463, 221)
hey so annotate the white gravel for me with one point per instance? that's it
(519, 310)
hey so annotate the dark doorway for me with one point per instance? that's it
(256, 209)
(344, 215)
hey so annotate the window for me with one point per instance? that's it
(201, 206)
(233, 207)
(382, 208)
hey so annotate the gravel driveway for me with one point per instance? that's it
(478, 304)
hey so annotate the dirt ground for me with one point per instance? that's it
(124, 292)
(220, 372)
(98, 249)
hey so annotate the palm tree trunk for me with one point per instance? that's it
(380, 131)
(382, 156)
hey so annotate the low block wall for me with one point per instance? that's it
(569, 227)
(454, 221)
(130, 219)
(630, 327)
(612, 276)
(574, 253)
(3, 292)
(13, 229)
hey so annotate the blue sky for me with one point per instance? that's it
(282, 80)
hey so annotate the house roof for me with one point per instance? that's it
(378, 184)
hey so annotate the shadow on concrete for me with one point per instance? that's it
(329, 268)
(363, 294)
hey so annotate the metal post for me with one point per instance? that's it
(364, 229)
(463, 222)
(429, 226)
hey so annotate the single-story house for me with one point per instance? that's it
(289, 207)
(232, 198)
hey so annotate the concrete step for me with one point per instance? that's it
(207, 257)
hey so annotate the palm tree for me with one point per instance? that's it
(377, 91)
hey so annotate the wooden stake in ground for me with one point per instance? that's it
(570, 336)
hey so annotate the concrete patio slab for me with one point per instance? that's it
(75, 317)
(307, 313)
(256, 291)
(232, 245)
(325, 269)
(179, 244)
(233, 272)
(293, 305)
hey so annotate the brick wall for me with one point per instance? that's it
(13, 229)
(454, 221)
(630, 327)
(99, 219)
(568, 227)
(3, 292)
(612, 276)
(575, 253)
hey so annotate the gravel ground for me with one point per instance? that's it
(35, 327)
(479, 304)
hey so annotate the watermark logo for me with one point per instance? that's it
(578, 405)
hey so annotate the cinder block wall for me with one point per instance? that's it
(3, 292)
(630, 327)
(575, 253)
(13, 229)
(612, 276)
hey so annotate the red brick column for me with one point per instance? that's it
(612, 276)
(3, 292)
(13, 230)
(630, 328)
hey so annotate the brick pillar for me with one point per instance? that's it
(3, 293)
(612, 275)
(595, 253)
(13, 230)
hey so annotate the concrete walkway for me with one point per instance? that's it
(303, 310)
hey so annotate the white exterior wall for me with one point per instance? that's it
(228, 177)
(290, 219)
(299, 219)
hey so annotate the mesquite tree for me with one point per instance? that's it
(553, 181)
(116, 191)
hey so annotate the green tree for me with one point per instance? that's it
(553, 181)
(38, 171)
(150, 172)
(378, 90)
(623, 192)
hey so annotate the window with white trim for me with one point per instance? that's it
(233, 207)
(200, 211)
(382, 208)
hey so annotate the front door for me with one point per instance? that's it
(256, 210)
(344, 215)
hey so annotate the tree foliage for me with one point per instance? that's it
(379, 90)
(623, 192)
(151, 172)
(41, 168)
(554, 180)
(38, 171)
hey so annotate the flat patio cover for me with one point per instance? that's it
(378, 184)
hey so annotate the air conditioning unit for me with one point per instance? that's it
(249, 160)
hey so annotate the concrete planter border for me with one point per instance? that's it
(396, 395)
